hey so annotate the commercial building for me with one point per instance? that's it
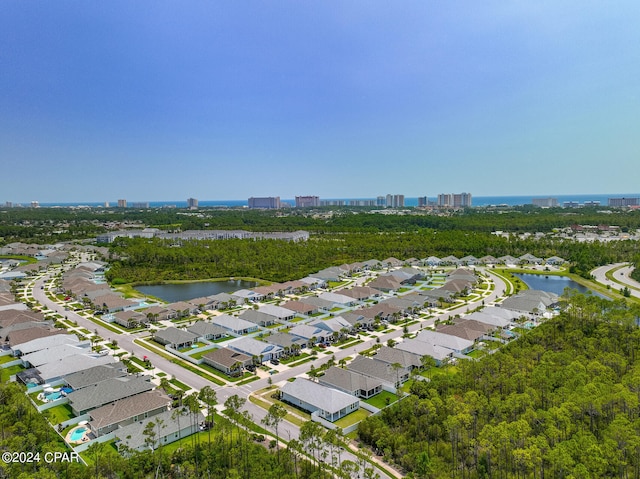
(268, 202)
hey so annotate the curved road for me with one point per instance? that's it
(287, 429)
(621, 273)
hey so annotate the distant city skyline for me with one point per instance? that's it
(145, 101)
(440, 200)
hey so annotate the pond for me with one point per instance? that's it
(185, 291)
(553, 284)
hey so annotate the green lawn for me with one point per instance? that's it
(6, 373)
(179, 384)
(476, 353)
(7, 359)
(352, 343)
(293, 359)
(353, 418)
(59, 414)
(199, 354)
(305, 360)
(380, 400)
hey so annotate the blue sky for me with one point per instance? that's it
(158, 100)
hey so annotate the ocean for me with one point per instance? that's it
(477, 201)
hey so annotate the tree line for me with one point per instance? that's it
(562, 401)
(276, 260)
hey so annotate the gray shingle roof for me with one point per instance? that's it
(107, 391)
(96, 374)
(327, 399)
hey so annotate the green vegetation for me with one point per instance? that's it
(382, 399)
(562, 401)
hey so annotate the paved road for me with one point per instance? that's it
(621, 276)
(287, 430)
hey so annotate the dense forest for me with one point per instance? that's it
(58, 224)
(273, 260)
(563, 401)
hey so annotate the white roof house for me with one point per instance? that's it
(337, 299)
(253, 347)
(447, 341)
(327, 403)
(236, 325)
(56, 353)
(45, 343)
(422, 348)
(277, 311)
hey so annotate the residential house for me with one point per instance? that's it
(175, 426)
(422, 348)
(243, 296)
(182, 309)
(311, 334)
(387, 373)
(254, 348)
(447, 341)
(386, 283)
(227, 360)
(257, 317)
(205, 330)
(130, 319)
(233, 324)
(361, 293)
(351, 382)
(94, 375)
(175, 338)
(327, 403)
(127, 411)
(337, 300)
(277, 312)
(288, 342)
(111, 303)
(406, 359)
(301, 307)
(105, 392)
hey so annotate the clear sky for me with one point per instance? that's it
(164, 100)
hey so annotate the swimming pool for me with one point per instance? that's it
(53, 396)
(78, 434)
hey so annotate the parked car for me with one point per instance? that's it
(275, 362)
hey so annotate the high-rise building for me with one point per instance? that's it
(139, 204)
(122, 203)
(307, 201)
(620, 202)
(380, 201)
(454, 200)
(8, 204)
(106, 204)
(362, 202)
(394, 201)
(192, 204)
(545, 202)
(35, 204)
(269, 202)
(423, 201)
